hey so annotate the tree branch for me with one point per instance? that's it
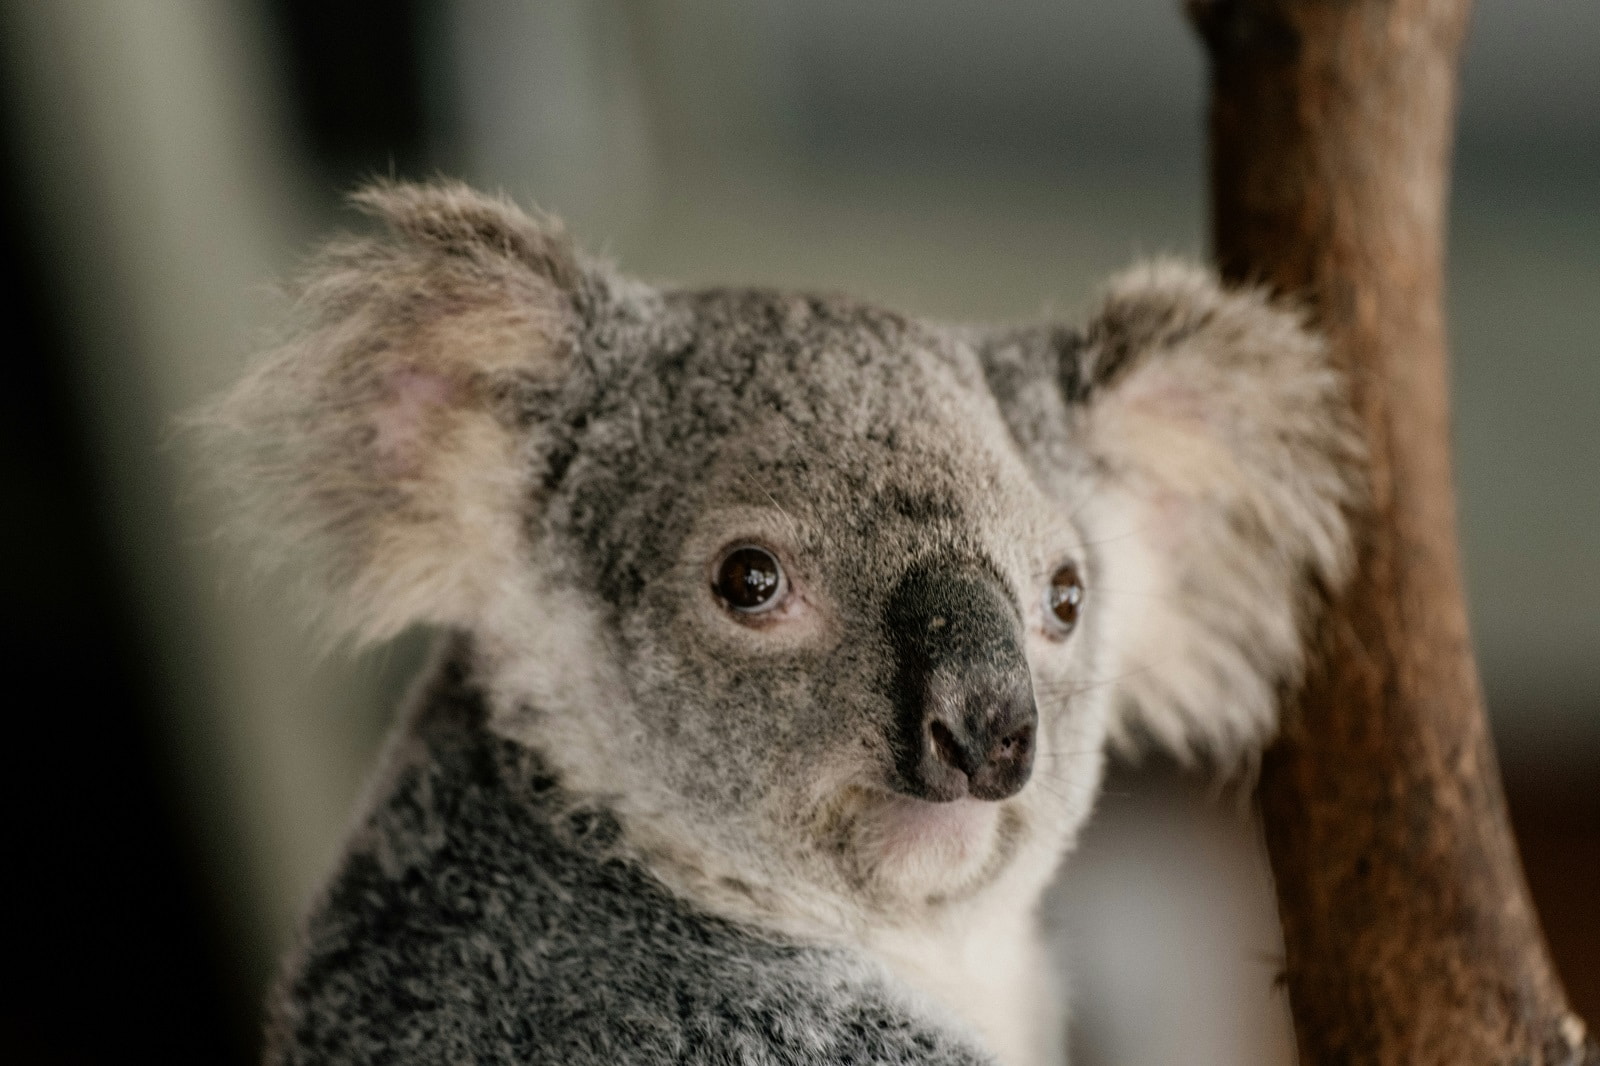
(1409, 932)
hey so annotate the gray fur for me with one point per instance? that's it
(482, 915)
(478, 428)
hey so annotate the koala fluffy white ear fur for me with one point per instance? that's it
(1224, 469)
(379, 437)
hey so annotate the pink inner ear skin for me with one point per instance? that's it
(411, 403)
(1185, 402)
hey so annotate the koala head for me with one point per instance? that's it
(837, 609)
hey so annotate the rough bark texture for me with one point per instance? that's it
(1409, 931)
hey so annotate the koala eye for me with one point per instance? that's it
(1063, 599)
(750, 580)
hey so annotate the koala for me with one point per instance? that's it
(781, 637)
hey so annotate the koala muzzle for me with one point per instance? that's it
(965, 718)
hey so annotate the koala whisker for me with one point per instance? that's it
(1044, 785)
(1068, 691)
(1055, 782)
(1158, 597)
(794, 526)
(1061, 754)
(1115, 538)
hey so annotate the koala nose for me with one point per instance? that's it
(985, 750)
(966, 721)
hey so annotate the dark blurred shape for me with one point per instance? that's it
(355, 78)
(1555, 809)
(112, 948)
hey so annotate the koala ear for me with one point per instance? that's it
(382, 438)
(1223, 469)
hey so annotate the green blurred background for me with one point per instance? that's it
(181, 777)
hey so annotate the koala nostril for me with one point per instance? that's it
(945, 746)
(1007, 755)
(1017, 744)
(987, 753)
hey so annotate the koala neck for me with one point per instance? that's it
(979, 959)
(975, 956)
(987, 965)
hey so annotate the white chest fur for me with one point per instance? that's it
(990, 970)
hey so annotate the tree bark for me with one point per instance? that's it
(1409, 933)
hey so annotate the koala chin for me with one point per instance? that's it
(781, 635)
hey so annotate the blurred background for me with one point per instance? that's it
(180, 780)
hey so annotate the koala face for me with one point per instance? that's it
(834, 608)
(822, 574)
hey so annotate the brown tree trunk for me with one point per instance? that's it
(1409, 933)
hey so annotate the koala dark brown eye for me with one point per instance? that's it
(1063, 599)
(750, 580)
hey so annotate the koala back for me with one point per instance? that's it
(483, 914)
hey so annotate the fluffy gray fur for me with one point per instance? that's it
(484, 915)
(629, 825)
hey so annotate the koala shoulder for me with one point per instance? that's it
(482, 914)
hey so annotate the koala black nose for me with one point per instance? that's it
(985, 749)
(966, 718)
